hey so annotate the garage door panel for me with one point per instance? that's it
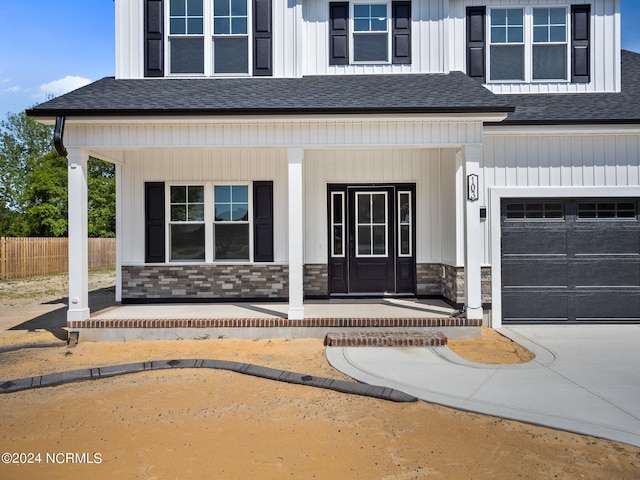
(540, 242)
(612, 238)
(534, 272)
(607, 272)
(581, 263)
(608, 306)
(535, 306)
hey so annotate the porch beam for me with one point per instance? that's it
(78, 233)
(295, 158)
(474, 239)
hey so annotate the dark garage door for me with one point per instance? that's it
(570, 260)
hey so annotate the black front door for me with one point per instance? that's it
(371, 239)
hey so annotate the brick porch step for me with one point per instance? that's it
(386, 339)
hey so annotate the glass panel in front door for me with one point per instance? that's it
(371, 224)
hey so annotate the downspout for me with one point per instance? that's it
(58, 135)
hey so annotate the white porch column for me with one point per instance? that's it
(78, 233)
(296, 234)
(474, 245)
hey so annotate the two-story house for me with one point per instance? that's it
(482, 151)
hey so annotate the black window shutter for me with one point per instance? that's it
(580, 39)
(262, 38)
(401, 12)
(263, 221)
(153, 38)
(154, 222)
(339, 33)
(476, 39)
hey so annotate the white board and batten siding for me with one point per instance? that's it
(197, 166)
(428, 41)
(430, 169)
(303, 132)
(561, 159)
(604, 44)
(287, 25)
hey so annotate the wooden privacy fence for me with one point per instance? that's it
(35, 257)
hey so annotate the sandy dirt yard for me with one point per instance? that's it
(205, 424)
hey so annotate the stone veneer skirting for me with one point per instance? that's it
(149, 282)
(453, 284)
(270, 281)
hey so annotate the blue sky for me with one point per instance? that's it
(49, 47)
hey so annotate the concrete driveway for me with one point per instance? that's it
(584, 379)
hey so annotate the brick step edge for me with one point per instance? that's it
(273, 322)
(385, 339)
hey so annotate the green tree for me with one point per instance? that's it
(45, 197)
(22, 142)
(102, 198)
(33, 184)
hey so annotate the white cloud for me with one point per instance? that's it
(14, 89)
(61, 86)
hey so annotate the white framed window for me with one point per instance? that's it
(405, 224)
(337, 224)
(528, 44)
(231, 224)
(224, 22)
(372, 223)
(230, 36)
(371, 41)
(210, 222)
(550, 49)
(187, 229)
(186, 36)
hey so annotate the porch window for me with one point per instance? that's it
(186, 225)
(231, 222)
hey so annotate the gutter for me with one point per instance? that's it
(58, 136)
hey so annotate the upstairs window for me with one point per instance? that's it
(370, 33)
(373, 33)
(528, 44)
(507, 44)
(207, 37)
(230, 36)
(550, 44)
(186, 41)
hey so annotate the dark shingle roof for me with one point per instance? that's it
(428, 93)
(343, 94)
(582, 108)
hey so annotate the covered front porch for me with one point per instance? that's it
(301, 164)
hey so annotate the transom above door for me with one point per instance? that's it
(371, 239)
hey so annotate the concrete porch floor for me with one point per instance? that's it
(258, 320)
(334, 308)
